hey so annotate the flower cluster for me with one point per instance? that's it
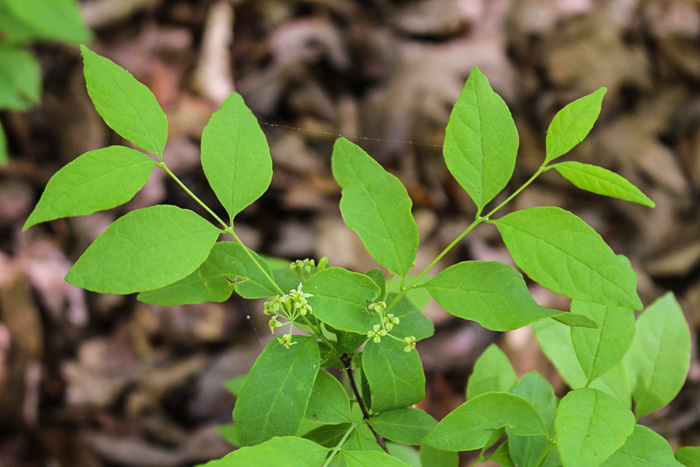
(387, 323)
(290, 307)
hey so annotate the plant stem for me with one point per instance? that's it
(230, 231)
(339, 445)
(189, 192)
(478, 220)
(542, 169)
(347, 361)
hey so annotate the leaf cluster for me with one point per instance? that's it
(290, 409)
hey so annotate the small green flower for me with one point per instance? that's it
(376, 333)
(391, 321)
(377, 307)
(303, 308)
(274, 324)
(273, 306)
(297, 294)
(286, 341)
(410, 343)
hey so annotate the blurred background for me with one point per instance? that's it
(92, 380)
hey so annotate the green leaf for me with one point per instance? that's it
(408, 454)
(97, 180)
(378, 277)
(598, 350)
(471, 425)
(375, 205)
(688, 456)
(395, 377)
(143, 250)
(481, 141)
(535, 389)
(489, 292)
(251, 282)
(329, 401)
(602, 182)
(206, 284)
(644, 448)
(659, 358)
(590, 426)
(616, 383)
(58, 20)
(555, 341)
(228, 267)
(329, 435)
(368, 459)
(228, 432)
(235, 156)
(413, 321)
(288, 451)
(527, 450)
(20, 79)
(3, 146)
(125, 104)
(362, 439)
(276, 392)
(405, 426)
(565, 255)
(340, 298)
(432, 456)
(492, 373)
(501, 455)
(572, 124)
(575, 320)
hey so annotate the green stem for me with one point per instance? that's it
(162, 165)
(478, 220)
(339, 445)
(230, 231)
(516, 192)
(413, 283)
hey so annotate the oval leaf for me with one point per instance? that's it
(471, 425)
(58, 20)
(125, 104)
(276, 392)
(481, 141)
(20, 79)
(143, 250)
(395, 377)
(329, 402)
(207, 283)
(488, 292)
(340, 298)
(405, 426)
(659, 358)
(644, 448)
(97, 180)
(688, 456)
(289, 451)
(375, 205)
(590, 426)
(565, 255)
(598, 350)
(602, 182)
(368, 459)
(235, 155)
(573, 123)
(492, 373)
